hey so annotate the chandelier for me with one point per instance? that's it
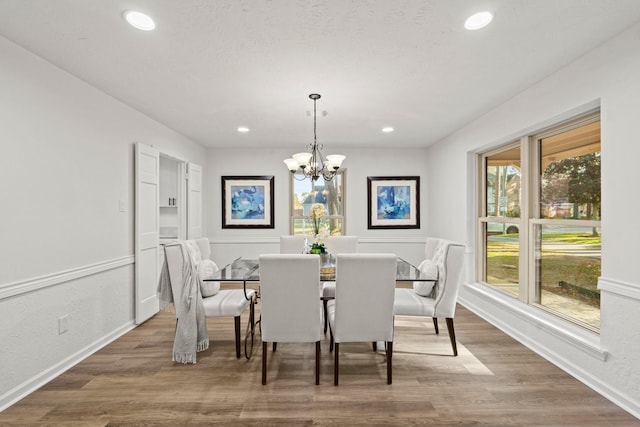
(312, 163)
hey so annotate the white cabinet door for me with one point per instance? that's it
(194, 201)
(147, 164)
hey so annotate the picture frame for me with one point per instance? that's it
(247, 201)
(393, 202)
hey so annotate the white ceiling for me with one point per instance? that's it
(213, 65)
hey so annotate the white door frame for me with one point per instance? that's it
(194, 201)
(147, 176)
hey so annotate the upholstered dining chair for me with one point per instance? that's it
(362, 310)
(445, 261)
(336, 245)
(292, 244)
(341, 244)
(219, 302)
(290, 308)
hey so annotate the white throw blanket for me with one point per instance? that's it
(191, 330)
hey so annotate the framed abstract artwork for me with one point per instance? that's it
(393, 202)
(247, 202)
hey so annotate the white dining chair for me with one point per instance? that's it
(292, 244)
(341, 244)
(362, 310)
(224, 303)
(290, 308)
(336, 245)
(447, 258)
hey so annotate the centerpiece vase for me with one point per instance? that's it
(325, 259)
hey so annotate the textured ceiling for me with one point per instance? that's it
(213, 65)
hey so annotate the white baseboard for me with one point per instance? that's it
(34, 383)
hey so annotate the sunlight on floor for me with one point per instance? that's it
(418, 336)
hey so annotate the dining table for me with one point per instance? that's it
(247, 271)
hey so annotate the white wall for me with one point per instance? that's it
(228, 244)
(607, 76)
(67, 161)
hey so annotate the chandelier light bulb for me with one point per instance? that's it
(292, 164)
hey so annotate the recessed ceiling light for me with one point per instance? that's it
(478, 20)
(243, 129)
(139, 20)
(387, 129)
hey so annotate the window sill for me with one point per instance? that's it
(575, 335)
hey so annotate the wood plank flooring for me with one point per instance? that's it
(493, 382)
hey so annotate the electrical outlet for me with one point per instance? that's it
(121, 205)
(63, 324)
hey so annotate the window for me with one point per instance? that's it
(539, 222)
(307, 192)
(501, 230)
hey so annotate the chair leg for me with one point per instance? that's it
(335, 364)
(326, 321)
(275, 344)
(252, 316)
(317, 362)
(330, 340)
(435, 325)
(389, 359)
(264, 363)
(452, 335)
(237, 322)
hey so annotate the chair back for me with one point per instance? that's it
(176, 267)
(449, 257)
(292, 244)
(365, 285)
(432, 245)
(341, 244)
(197, 249)
(205, 249)
(290, 298)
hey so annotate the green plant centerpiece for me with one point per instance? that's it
(318, 248)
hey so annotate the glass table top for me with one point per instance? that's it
(248, 270)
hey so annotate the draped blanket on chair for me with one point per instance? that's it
(191, 330)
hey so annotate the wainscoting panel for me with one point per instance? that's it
(51, 323)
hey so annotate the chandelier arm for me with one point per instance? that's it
(328, 175)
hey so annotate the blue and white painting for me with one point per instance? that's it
(247, 202)
(394, 202)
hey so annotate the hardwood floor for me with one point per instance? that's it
(493, 382)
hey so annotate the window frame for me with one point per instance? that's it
(343, 191)
(530, 162)
(483, 219)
